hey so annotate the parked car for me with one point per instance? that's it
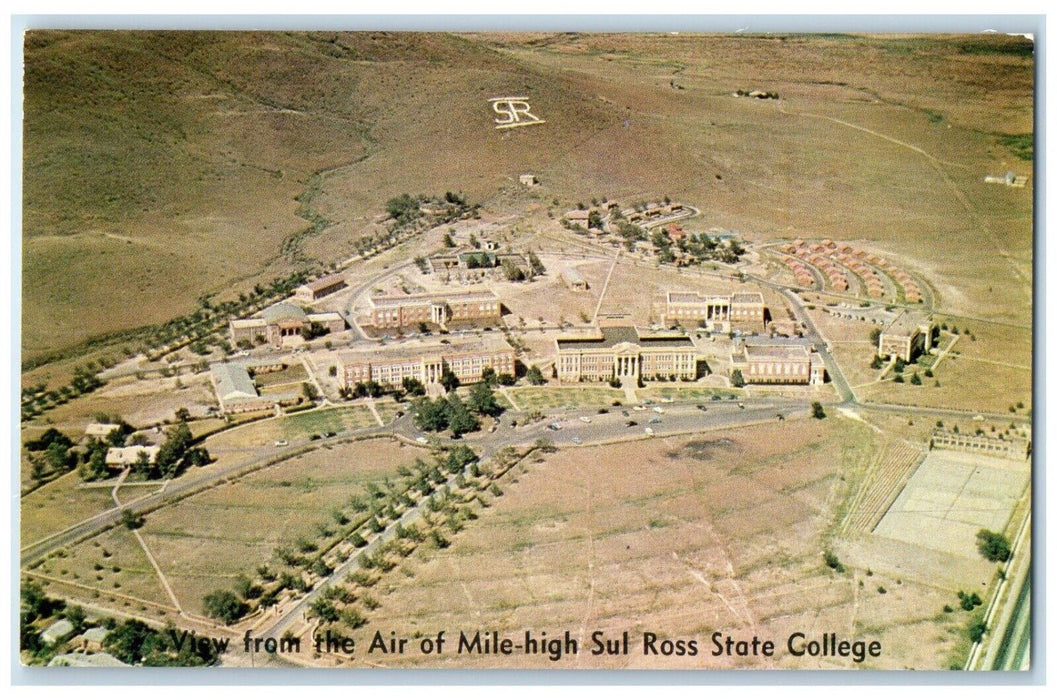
(281, 443)
(649, 430)
(585, 419)
(631, 424)
(577, 440)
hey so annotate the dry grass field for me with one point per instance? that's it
(112, 562)
(720, 532)
(866, 126)
(203, 542)
(59, 504)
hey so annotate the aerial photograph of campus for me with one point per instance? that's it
(526, 350)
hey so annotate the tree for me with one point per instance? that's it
(993, 546)
(460, 420)
(224, 605)
(875, 335)
(58, 456)
(169, 460)
(309, 391)
(817, 411)
(594, 220)
(506, 379)
(488, 376)
(449, 242)
(534, 376)
(430, 415)
(736, 379)
(324, 610)
(482, 400)
(413, 386)
(449, 381)
(915, 379)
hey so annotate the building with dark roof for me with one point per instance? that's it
(621, 351)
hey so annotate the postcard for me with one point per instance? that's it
(526, 350)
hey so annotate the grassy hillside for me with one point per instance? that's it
(162, 166)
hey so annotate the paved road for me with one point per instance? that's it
(198, 478)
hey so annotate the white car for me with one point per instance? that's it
(585, 419)
(640, 407)
(658, 409)
(667, 399)
(649, 431)
(422, 440)
(281, 443)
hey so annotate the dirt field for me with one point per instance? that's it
(203, 542)
(722, 532)
(112, 562)
(141, 402)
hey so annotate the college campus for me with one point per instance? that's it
(612, 342)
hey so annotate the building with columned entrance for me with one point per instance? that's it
(439, 309)
(714, 311)
(622, 351)
(427, 360)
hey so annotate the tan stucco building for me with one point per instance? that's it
(426, 361)
(622, 351)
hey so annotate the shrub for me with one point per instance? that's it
(993, 546)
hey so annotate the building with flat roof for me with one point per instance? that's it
(769, 362)
(317, 289)
(622, 351)
(427, 359)
(121, 457)
(99, 659)
(438, 309)
(907, 336)
(714, 311)
(100, 430)
(282, 325)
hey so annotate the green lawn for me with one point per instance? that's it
(540, 397)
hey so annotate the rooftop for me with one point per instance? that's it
(747, 298)
(694, 297)
(775, 351)
(905, 324)
(283, 312)
(102, 659)
(432, 298)
(418, 348)
(611, 336)
(232, 381)
(324, 282)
